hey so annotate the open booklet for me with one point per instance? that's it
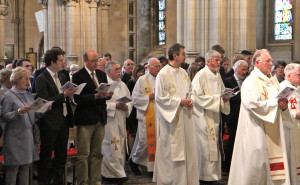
(105, 87)
(286, 92)
(40, 105)
(70, 85)
(230, 92)
(123, 99)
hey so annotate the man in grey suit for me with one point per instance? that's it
(55, 124)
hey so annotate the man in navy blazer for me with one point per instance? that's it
(90, 118)
(234, 81)
(54, 126)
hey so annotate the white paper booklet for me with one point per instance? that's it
(70, 85)
(123, 99)
(286, 92)
(229, 93)
(40, 105)
(105, 87)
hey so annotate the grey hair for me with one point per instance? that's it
(74, 66)
(125, 62)
(151, 60)
(17, 74)
(108, 65)
(5, 75)
(238, 63)
(212, 53)
(258, 54)
(290, 68)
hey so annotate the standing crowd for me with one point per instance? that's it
(165, 115)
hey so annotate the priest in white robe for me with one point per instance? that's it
(176, 160)
(209, 103)
(292, 129)
(143, 151)
(259, 155)
(114, 142)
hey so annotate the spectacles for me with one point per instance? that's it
(96, 60)
(117, 69)
(157, 67)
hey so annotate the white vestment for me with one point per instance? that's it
(139, 153)
(114, 142)
(207, 90)
(176, 160)
(289, 128)
(250, 163)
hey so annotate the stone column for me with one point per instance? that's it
(71, 30)
(93, 24)
(51, 24)
(45, 13)
(3, 13)
(191, 31)
(104, 26)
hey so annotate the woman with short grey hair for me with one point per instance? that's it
(19, 147)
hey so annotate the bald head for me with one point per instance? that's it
(154, 66)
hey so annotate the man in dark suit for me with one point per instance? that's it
(127, 70)
(90, 118)
(234, 81)
(54, 126)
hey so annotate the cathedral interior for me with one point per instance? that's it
(140, 29)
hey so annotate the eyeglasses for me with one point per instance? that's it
(117, 69)
(96, 60)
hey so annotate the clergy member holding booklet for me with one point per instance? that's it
(209, 103)
(292, 129)
(259, 155)
(176, 160)
(114, 142)
(143, 151)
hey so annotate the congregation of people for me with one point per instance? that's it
(187, 124)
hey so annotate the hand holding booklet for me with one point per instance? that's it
(123, 99)
(105, 87)
(40, 105)
(286, 92)
(70, 85)
(230, 92)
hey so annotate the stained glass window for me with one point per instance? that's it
(283, 16)
(161, 22)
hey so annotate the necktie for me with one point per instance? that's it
(58, 85)
(93, 78)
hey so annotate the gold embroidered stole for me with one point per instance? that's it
(150, 121)
(272, 130)
(211, 132)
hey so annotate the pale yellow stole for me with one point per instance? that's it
(150, 121)
(272, 130)
(211, 132)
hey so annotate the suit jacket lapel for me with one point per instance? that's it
(50, 80)
(88, 78)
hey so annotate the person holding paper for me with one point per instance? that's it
(143, 151)
(235, 81)
(114, 142)
(176, 161)
(90, 118)
(19, 147)
(259, 154)
(292, 129)
(55, 124)
(209, 103)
